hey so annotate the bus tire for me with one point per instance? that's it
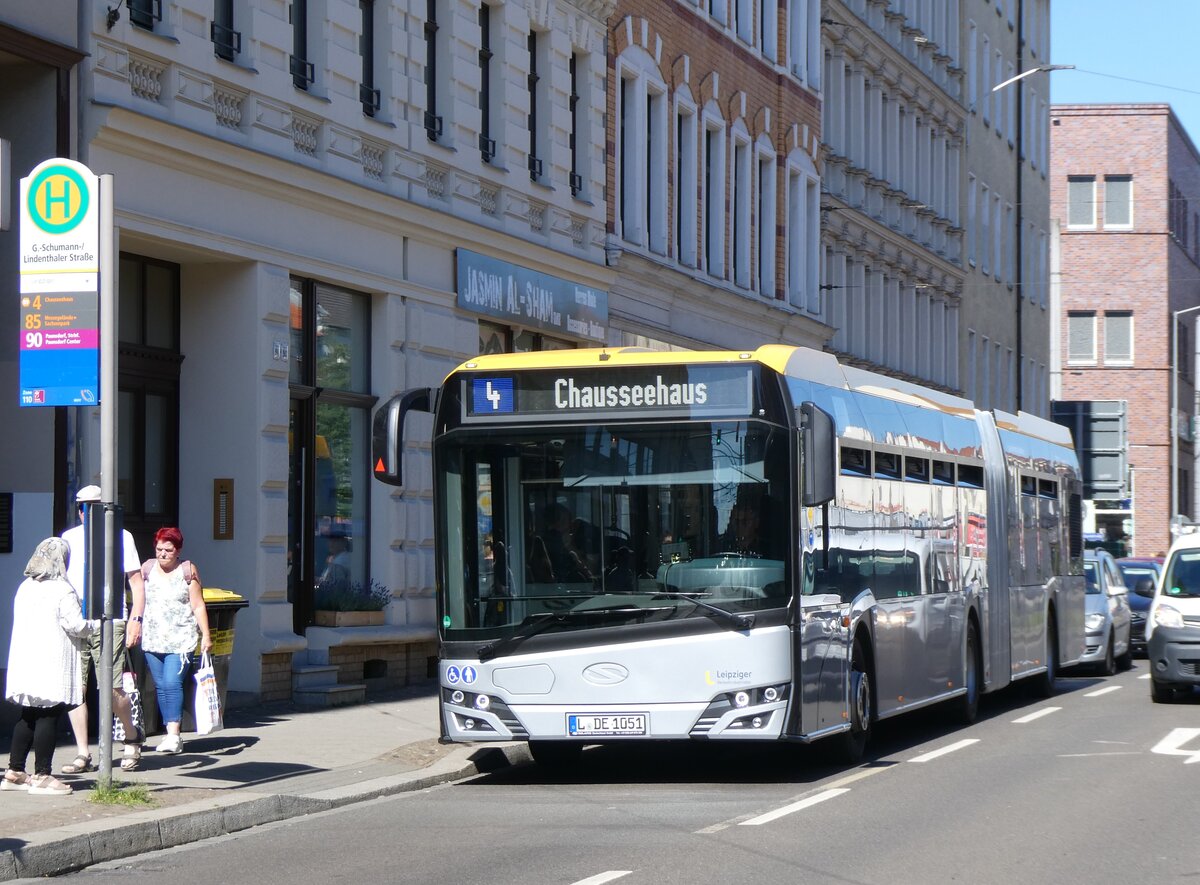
(852, 744)
(968, 703)
(555, 754)
(1045, 684)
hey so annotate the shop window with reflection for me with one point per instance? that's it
(496, 338)
(329, 420)
(148, 398)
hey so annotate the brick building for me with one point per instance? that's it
(1125, 193)
(713, 182)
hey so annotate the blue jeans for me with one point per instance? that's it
(168, 671)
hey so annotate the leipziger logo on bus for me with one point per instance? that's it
(569, 395)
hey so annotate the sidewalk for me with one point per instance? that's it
(269, 763)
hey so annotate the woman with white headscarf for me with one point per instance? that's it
(43, 666)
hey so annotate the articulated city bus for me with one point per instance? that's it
(752, 546)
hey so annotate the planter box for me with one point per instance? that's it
(347, 619)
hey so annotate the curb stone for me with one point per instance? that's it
(152, 831)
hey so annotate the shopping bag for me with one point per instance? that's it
(129, 686)
(208, 699)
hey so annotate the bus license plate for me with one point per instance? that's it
(605, 724)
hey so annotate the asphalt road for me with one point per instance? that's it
(1094, 785)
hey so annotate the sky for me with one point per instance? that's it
(1115, 42)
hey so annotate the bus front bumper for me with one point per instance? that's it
(612, 722)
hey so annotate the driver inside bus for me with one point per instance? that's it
(743, 534)
(568, 565)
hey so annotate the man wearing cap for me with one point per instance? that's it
(123, 634)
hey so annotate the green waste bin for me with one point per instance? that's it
(222, 607)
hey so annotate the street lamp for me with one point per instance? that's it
(1018, 201)
(1174, 422)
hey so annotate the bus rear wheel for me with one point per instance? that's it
(853, 743)
(555, 754)
(1045, 684)
(968, 703)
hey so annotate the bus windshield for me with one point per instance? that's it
(618, 524)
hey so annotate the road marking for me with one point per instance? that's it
(601, 878)
(1144, 676)
(1171, 744)
(1107, 689)
(857, 775)
(789, 809)
(933, 754)
(1036, 714)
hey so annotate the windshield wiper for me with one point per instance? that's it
(537, 623)
(741, 622)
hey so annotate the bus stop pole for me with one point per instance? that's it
(108, 467)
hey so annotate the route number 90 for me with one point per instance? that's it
(33, 340)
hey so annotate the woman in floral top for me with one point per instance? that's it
(175, 616)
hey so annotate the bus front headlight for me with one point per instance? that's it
(1166, 616)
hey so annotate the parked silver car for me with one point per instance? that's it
(1107, 618)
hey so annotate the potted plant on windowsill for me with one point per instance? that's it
(350, 604)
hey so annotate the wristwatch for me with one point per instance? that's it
(137, 618)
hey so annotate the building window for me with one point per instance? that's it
(765, 216)
(227, 42)
(627, 151)
(1118, 337)
(487, 144)
(148, 396)
(1081, 337)
(329, 492)
(433, 120)
(1081, 201)
(743, 20)
(714, 201)
(533, 81)
(574, 138)
(998, 237)
(1118, 201)
(655, 182)
(496, 338)
(367, 93)
(768, 10)
(739, 204)
(686, 208)
(144, 13)
(971, 219)
(985, 230)
(303, 71)
(804, 41)
(1184, 357)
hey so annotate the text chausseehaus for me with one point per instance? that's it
(569, 395)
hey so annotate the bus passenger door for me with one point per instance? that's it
(824, 662)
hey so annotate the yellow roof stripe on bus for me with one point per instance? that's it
(774, 356)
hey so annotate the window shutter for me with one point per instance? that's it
(1118, 338)
(1081, 343)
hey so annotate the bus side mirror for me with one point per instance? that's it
(387, 432)
(819, 444)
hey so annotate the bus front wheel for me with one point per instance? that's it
(853, 743)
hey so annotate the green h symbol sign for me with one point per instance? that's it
(58, 188)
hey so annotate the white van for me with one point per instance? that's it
(1173, 623)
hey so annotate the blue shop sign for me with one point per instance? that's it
(525, 297)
